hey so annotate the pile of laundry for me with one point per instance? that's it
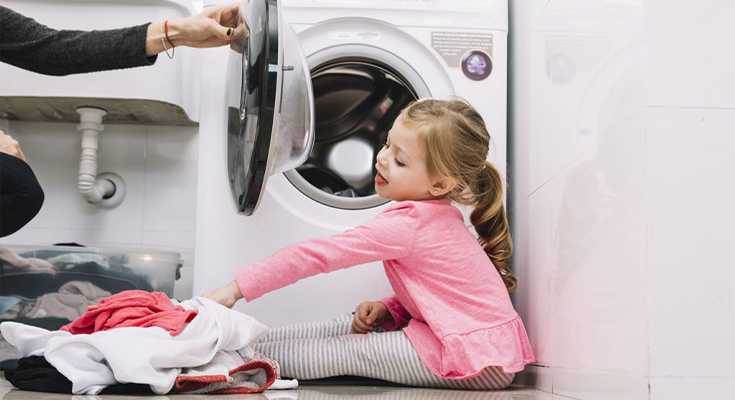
(141, 342)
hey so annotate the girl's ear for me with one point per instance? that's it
(442, 186)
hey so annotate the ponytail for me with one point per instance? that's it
(457, 143)
(491, 223)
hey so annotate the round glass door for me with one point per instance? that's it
(266, 132)
(355, 101)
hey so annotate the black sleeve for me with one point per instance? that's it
(30, 45)
(21, 196)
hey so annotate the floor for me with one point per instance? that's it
(326, 390)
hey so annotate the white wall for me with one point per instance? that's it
(159, 167)
(158, 163)
(690, 142)
(621, 122)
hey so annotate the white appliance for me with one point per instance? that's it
(367, 60)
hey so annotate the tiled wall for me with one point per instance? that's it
(157, 163)
(159, 167)
(691, 142)
(621, 127)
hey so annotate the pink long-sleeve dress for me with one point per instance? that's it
(449, 298)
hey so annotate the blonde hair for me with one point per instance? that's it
(457, 142)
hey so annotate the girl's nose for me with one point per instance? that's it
(380, 158)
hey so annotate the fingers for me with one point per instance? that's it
(368, 315)
(225, 15)
(215, 27)
(216, 34)
(374, 315)
(217, 297)
(226, 296)
(229, 11)
(365, 318)
(359, 326)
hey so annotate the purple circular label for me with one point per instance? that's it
(476, 65)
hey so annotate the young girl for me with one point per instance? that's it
(450, 322)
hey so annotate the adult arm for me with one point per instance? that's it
(30, 45)
(33, 46)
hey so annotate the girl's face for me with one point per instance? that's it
(401, 164)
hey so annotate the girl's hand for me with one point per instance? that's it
(368, 315)
(227, 295)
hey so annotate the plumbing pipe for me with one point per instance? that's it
(95, 190)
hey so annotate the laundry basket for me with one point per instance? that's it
(50, 286)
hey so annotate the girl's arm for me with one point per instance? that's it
(388, 236)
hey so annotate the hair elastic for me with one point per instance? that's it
(163, 41)
(165, 29)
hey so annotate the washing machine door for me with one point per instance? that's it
(267, 132)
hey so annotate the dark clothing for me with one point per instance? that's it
(21, 195)
(34, 373)
(30, 45)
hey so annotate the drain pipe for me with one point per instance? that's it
(108, 189)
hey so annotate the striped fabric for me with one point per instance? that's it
(319, 350)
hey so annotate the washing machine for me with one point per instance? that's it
(310, 93)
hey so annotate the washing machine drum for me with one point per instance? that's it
(355, 103)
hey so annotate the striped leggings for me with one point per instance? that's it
(319, 350)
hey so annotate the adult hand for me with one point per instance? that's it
(213, 27)
(10, 146)
(226, 295)
(368, 315)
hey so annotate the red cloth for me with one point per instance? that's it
(246, 378)
(132, 308)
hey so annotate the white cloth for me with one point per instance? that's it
(284, 384)
(141, 355)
